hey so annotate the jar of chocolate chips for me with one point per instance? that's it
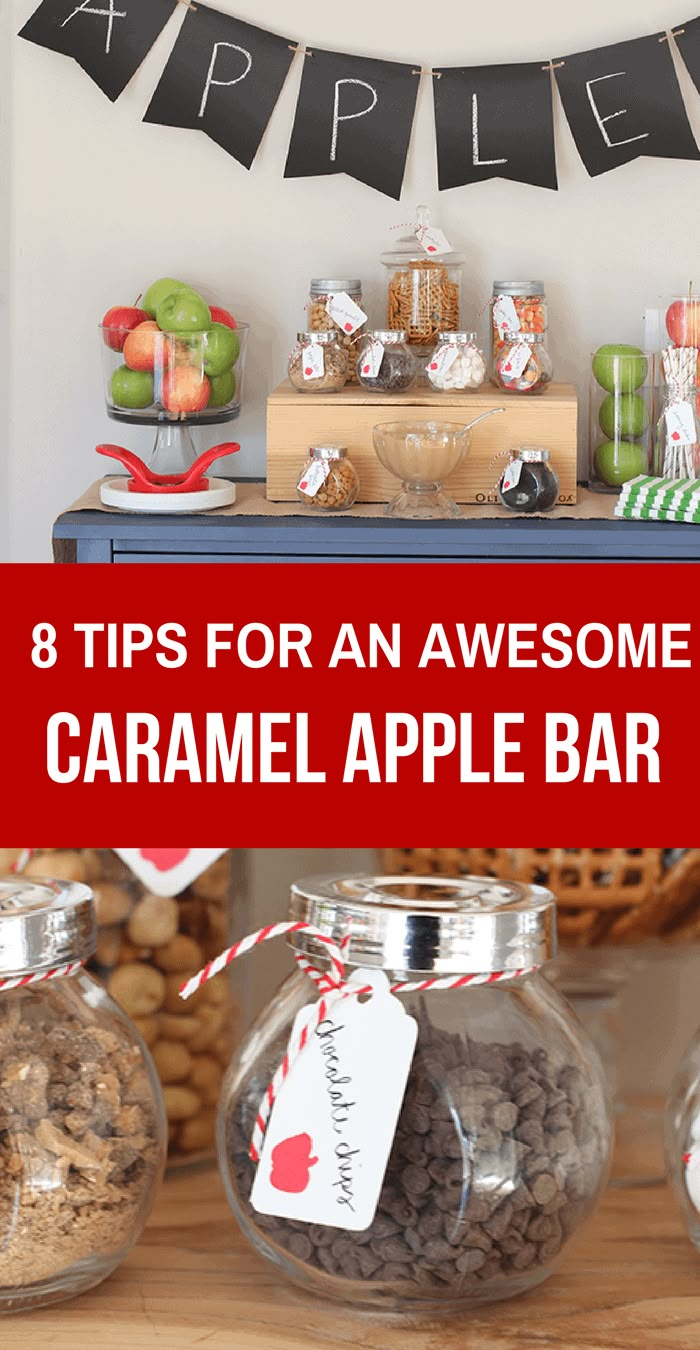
(503, 1133)
(82, 1123)
(386, 362)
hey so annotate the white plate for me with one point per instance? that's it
(115, 492)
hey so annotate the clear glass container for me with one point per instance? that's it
(424, 291)
(621, 416)
(82, 1124)
(529, 483)
(523, 364)
(682, 1138)
(319, 363)
(328, 480)
(503, 1137)
(457, 363)
(677, 441)
(322, 293)
(147, 945)
(386, 363)
(423, 455)
(516, 307)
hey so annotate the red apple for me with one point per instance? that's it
(292, 1161)
(164, 858)
(185, 390)
(683, 323)
(143, 345)
(219, 315)
(118, 322)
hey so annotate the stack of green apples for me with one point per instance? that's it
(178, 352)
(623, 416)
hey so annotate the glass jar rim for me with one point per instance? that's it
(518, 288)
(44, 924)
(532, 454)
(324, 336)
(462, 337)
(520, 336)
(387, 336)
(326, 452)
(334, 285)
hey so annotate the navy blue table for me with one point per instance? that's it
(117, 537)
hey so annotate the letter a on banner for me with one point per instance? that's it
(224, 78)
(355, 116)
(495, 122)
(625, 101)
(108, 38)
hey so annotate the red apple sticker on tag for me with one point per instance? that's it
(348, 328)
(508, 368)
(434, 365)
(168, 871)
(366, 370)
(164, 858)
(676, 436)
(292, 1161)
(309, 371)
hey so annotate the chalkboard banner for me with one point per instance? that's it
(623, 102)
(495, 122)
(224, 78)
(355, 116)
(688, 43)
(108, 38)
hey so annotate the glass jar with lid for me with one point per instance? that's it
(424, 287)
(327, 299)
(457, 363)
(503, 1131)
(319, 363)
(516, 307)
(328, 480)
(82, 1122)
(386, 362)
(529, 483)
(523, 365)
(682, 1138)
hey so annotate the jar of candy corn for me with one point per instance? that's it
(516, 307)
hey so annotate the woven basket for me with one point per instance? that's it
(604, 895)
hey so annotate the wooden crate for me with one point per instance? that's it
(296, 421)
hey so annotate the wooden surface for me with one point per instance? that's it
(296, 421)
(631, 1283)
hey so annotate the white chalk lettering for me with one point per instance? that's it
(476, 147)
(110, 14)
(622, 112)
(223, 84)
(339, 117)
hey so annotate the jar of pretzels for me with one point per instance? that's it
(328, 308)
(147, 945)
(424, 288)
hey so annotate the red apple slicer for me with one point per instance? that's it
(145, 490)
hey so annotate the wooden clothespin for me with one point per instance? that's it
(554, 65)
(678, 32)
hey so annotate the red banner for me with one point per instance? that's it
(352, 705)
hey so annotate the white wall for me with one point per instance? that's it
(101, 204)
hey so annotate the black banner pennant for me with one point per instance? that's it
(108, 38)
(495, 122)
(625, 101)
(355, 116)
(224, 78)
(688, 43)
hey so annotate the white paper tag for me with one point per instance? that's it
(505, 315)
(345, 313)
(514, 362)
(680, 423)
(433, 241)
(312, 481)
(313, 361)
(168, 871)
(692, 1177)
(372, 358)
(332, 1127)
(511, 477)
(442, 361)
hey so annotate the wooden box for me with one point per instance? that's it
(297, 421)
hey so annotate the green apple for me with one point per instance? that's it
(221, 350)
(183, 312)
(623, 417)
(618, 461)
(223, 389)
(132, 388)
(619, 368)
(159, 291)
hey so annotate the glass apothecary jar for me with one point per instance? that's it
(682, 1138)
(516, 307)
(328, 480)
(424, 289)
(621, 415)
(319, 363)
(82, 1123)
(529, 482)
(328, 297)
(503, 1136)
(523, 365)
(147, 945)
(386, 363)
(457, 363)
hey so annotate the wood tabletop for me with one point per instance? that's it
(632, 1283)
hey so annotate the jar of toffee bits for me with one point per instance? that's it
(328, 480)
(319, 363)
(503, 1132)
(82, 1122)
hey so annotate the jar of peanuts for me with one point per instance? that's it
(147, 945)
(424, 286)
(523, 365)
(516, 307)
(328, 480)
(336, 302)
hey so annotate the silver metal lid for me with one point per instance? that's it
(389, 337)
(44, 923)
(328, 452)
(324, 336)
(532, 454)
(333, 285)
(518, 288)
(462, 338)
(531, 339)
(429, 924)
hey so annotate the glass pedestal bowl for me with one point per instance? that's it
(423, 455)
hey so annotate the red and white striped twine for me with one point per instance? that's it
(24, 858)
(58, 973)
(332, 986)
